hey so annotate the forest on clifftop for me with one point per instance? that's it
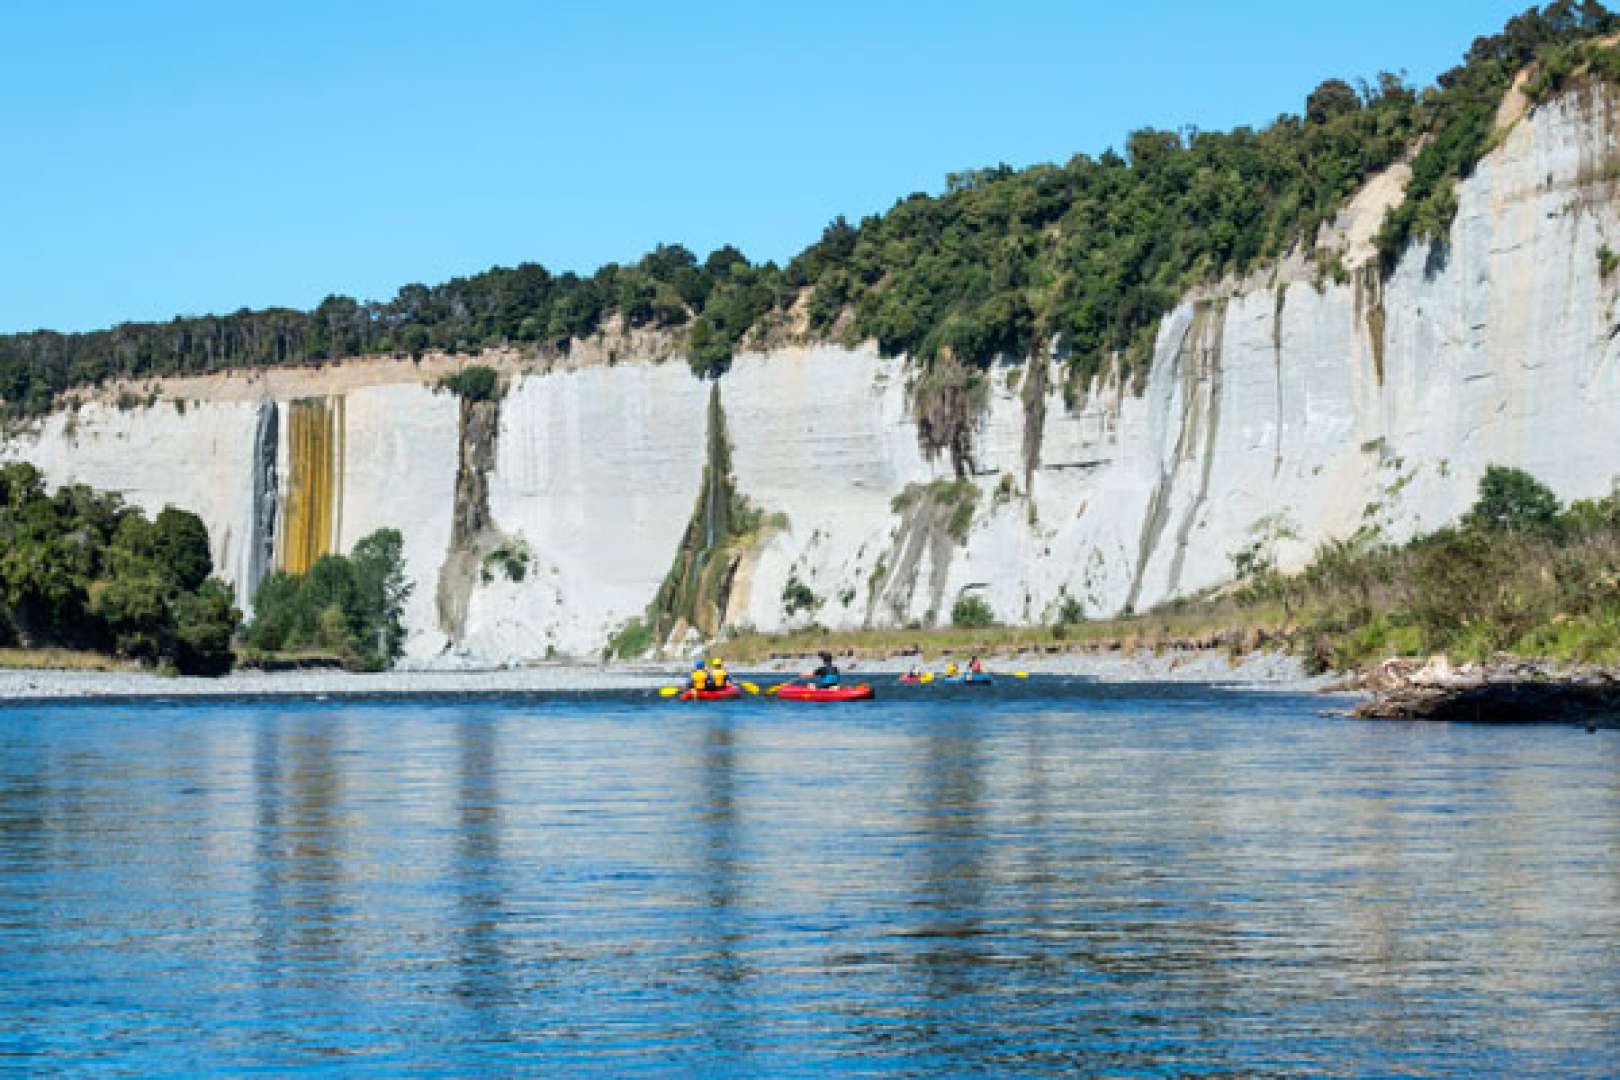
(1091, 253)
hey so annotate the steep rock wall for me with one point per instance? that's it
(1307, 407)
(596, 472)
(202, 459)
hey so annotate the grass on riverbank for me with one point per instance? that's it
(60, 660)
(1209, 626)
(249, 658)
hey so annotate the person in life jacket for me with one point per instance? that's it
(827, 673)
(975, 668)
(700, 676)
(719, 679)
(914, 673)
(951, 670)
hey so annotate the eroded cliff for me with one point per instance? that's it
(1300, 403)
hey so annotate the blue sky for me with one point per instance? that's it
(168, 158)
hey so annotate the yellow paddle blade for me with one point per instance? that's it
(1020, 674)
(928, 676)
(750, 687)
(669, 691)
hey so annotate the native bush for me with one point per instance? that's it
(1511, 500)
(349, 606)
(79, 569)
(1515, 575)
(972, 612)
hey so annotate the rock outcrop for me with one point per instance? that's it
(1512, 692)
(1292, 404)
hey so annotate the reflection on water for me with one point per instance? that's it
(1067, 879)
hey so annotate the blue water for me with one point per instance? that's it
(1033, 880)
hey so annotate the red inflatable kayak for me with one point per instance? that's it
(723, 694)
(827, 693)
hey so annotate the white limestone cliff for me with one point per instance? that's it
(1282, 406)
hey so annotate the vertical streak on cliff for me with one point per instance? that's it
(1036, 375)
(925, 531)
(1187, 370)
(696, 593)
(314, 484)
(1207, 366)
(1276, 355)
(947, 401)
(1370, 309)
(472, 528)
(262, 533)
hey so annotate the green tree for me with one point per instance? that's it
(1511, 500)
(135, 609)
(275, 611)
(180, 545)
(20, 485)
(352, 606)
(205, 622)
(707, 349)
(80, 569)
(475, 382)
(329, 584)
(381, 591)
(1331, 99)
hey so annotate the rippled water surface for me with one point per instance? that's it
(1145, 880)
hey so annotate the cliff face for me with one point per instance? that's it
(1285, 407)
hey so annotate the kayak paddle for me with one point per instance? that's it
(670, 691)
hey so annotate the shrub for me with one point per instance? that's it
(475, 382)
(971, 612)
(797, 597)
(1070, 612)
(633, 640)
(1511, 500)
(511, 558)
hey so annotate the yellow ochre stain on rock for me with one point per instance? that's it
(314, 483)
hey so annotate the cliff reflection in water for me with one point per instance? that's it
(1075, 878)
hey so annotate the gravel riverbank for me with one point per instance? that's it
(1273, 671)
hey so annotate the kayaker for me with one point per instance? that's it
(975, 668)
(719, 679)
(951, 670)
(827, 674)
(700, 676)
(914, 673)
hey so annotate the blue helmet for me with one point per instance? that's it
(697, 665)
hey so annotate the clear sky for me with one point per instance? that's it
(167, 158)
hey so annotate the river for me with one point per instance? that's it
(1048, 877)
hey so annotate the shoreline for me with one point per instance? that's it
(1257, 671)
(1503, 692)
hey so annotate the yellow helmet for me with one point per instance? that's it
(717, 662)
